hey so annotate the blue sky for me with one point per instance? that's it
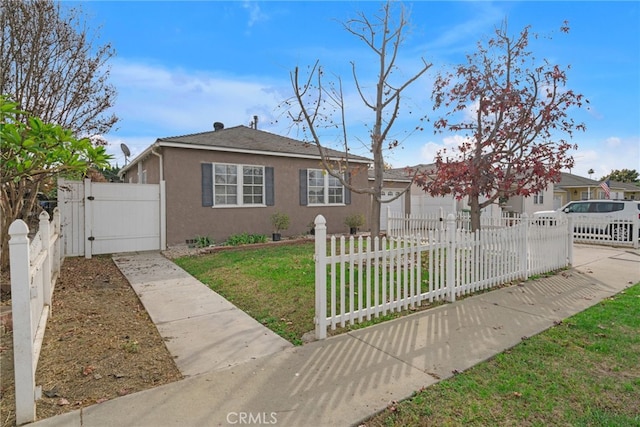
(180, 66)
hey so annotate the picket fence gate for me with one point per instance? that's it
(35, 266)
(361, 278)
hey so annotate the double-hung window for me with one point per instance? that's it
(538, 198)
(323, 189)
(238, 185)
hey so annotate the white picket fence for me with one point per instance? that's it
(406, 225)
(612, 231)
(608, 231)
(361, 278)
(35, 266)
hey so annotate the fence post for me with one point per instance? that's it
(23, 347)
(524, 263)
(88, 218)
(57, 246)
(45, 233)
(450, 260)
(321, 276)
(569, 240)
(635, 231)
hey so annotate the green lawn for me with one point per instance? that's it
(274, 285)
(583, 372)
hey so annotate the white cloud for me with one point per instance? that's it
(605, 155)
(155, 102)
(613, 142)
(164, 101)
(255, 13)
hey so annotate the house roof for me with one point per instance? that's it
(568, 180)
(243, 139)
(626, 186)
(392, 175)
(404, 174)
(571, 181)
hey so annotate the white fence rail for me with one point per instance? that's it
(407, 225)
(35, 266)
(608, 231)
(358, 279)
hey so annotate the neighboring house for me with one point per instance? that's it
(230, 181)
(395, 182)
(541, 201)
(573, 187)
(421, 202)
(629, 190)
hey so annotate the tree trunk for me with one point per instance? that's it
(474, 204)
(375, 217)
(378, 181)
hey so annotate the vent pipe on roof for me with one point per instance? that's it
(218, 126)
(254, 123)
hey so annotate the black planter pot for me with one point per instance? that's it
(353, 230)
(275, 237)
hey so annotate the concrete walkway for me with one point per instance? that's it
(203, 331)
(344, 379)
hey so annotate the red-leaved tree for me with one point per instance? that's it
(513, 112)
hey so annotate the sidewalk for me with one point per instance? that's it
(344, 379)
(203, 331)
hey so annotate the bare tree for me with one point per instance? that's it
(50, 65)
(320, 102)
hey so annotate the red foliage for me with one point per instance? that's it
(514, 114)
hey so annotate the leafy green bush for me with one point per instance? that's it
(203, 241)
(355, 220)
(246, 239)
(280, 221)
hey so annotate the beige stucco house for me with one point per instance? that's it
(231, 180)
(573, 187)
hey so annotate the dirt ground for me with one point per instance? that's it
(99, 344)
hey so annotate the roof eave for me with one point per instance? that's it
(165, 143)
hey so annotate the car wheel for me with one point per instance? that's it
(620, 233)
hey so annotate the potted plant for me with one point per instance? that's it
(280, 222)
(353, 222)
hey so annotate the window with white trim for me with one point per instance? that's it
(238, 185)
(538, 198)
(323, 189)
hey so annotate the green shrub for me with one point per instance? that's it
(246, 239)
(203, 241)
(280, 221)
(355, 220)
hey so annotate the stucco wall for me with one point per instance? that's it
(187, 218)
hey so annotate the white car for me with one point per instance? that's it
(602, 217)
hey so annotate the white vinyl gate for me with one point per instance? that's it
(105, 218)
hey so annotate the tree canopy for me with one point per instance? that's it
(32, 153)
(53, 67)
(512, 111)
(623, 175)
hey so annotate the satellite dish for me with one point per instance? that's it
(125, 151)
